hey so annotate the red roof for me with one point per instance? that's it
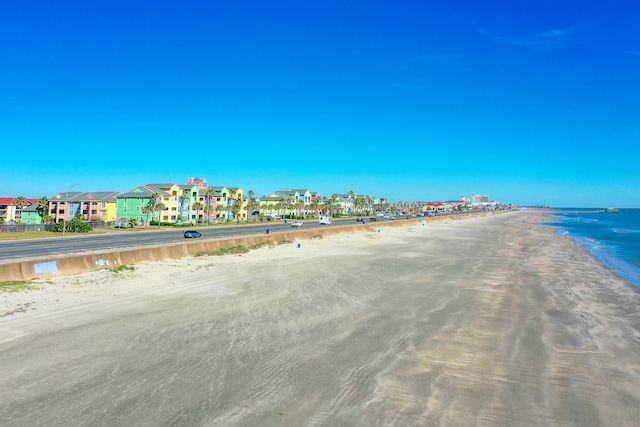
(14, 200)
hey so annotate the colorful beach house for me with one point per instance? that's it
(31, 214)
(168, 202)
(11, 208)
(91, 206)
(280, 204)
(227, 202)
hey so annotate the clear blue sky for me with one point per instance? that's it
(528, 102)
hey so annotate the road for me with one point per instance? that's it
(118, 239)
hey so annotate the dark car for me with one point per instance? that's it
(192, 234)
(373, 219)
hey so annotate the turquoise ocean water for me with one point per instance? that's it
(613, 238)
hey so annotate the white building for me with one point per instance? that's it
(479, 199)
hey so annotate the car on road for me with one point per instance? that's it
(297, 224)
(192, 234)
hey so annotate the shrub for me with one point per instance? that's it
(15, 286)
(75, 225)
(120, 268)
(240, 249)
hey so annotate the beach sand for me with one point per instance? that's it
(487, 321)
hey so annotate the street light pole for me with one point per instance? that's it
(66, 209)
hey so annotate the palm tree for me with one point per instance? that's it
(357, 205)
(185, 199)
(239, 202)
(196, 207)
(210, 193)
(207, 211)
(277, 206)
(147, 210)
(334, 200)
(325, 207)
(291, 206)
(20, 202)
(251, 203)
(159, 207)
(224, 211)
(298, 205)
(156, 205)
(43, 207)
(318, 206)
(284, 204)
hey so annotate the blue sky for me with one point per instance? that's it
(529, 102)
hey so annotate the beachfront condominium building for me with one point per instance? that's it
(11, 208)
(479, 198)
(227, 202)
(166, 202)
(282, 203)
(91, 206)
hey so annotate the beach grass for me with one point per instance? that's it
(122, 268)
(239, 249)
(16, 286)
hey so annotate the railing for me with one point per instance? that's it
(22, 228)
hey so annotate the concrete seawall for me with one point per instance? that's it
(63, 265)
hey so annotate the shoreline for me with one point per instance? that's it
(490, 320)
(592, 245)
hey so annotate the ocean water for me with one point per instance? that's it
(613, 238)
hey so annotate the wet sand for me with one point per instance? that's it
(487, 321)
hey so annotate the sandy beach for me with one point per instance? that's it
(490, 321)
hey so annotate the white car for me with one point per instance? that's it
(297, 224)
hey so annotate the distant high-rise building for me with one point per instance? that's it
(479, 198)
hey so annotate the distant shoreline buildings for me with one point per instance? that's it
(196, 202)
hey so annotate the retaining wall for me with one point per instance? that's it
(62, 265)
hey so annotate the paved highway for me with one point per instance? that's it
(118, 239)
